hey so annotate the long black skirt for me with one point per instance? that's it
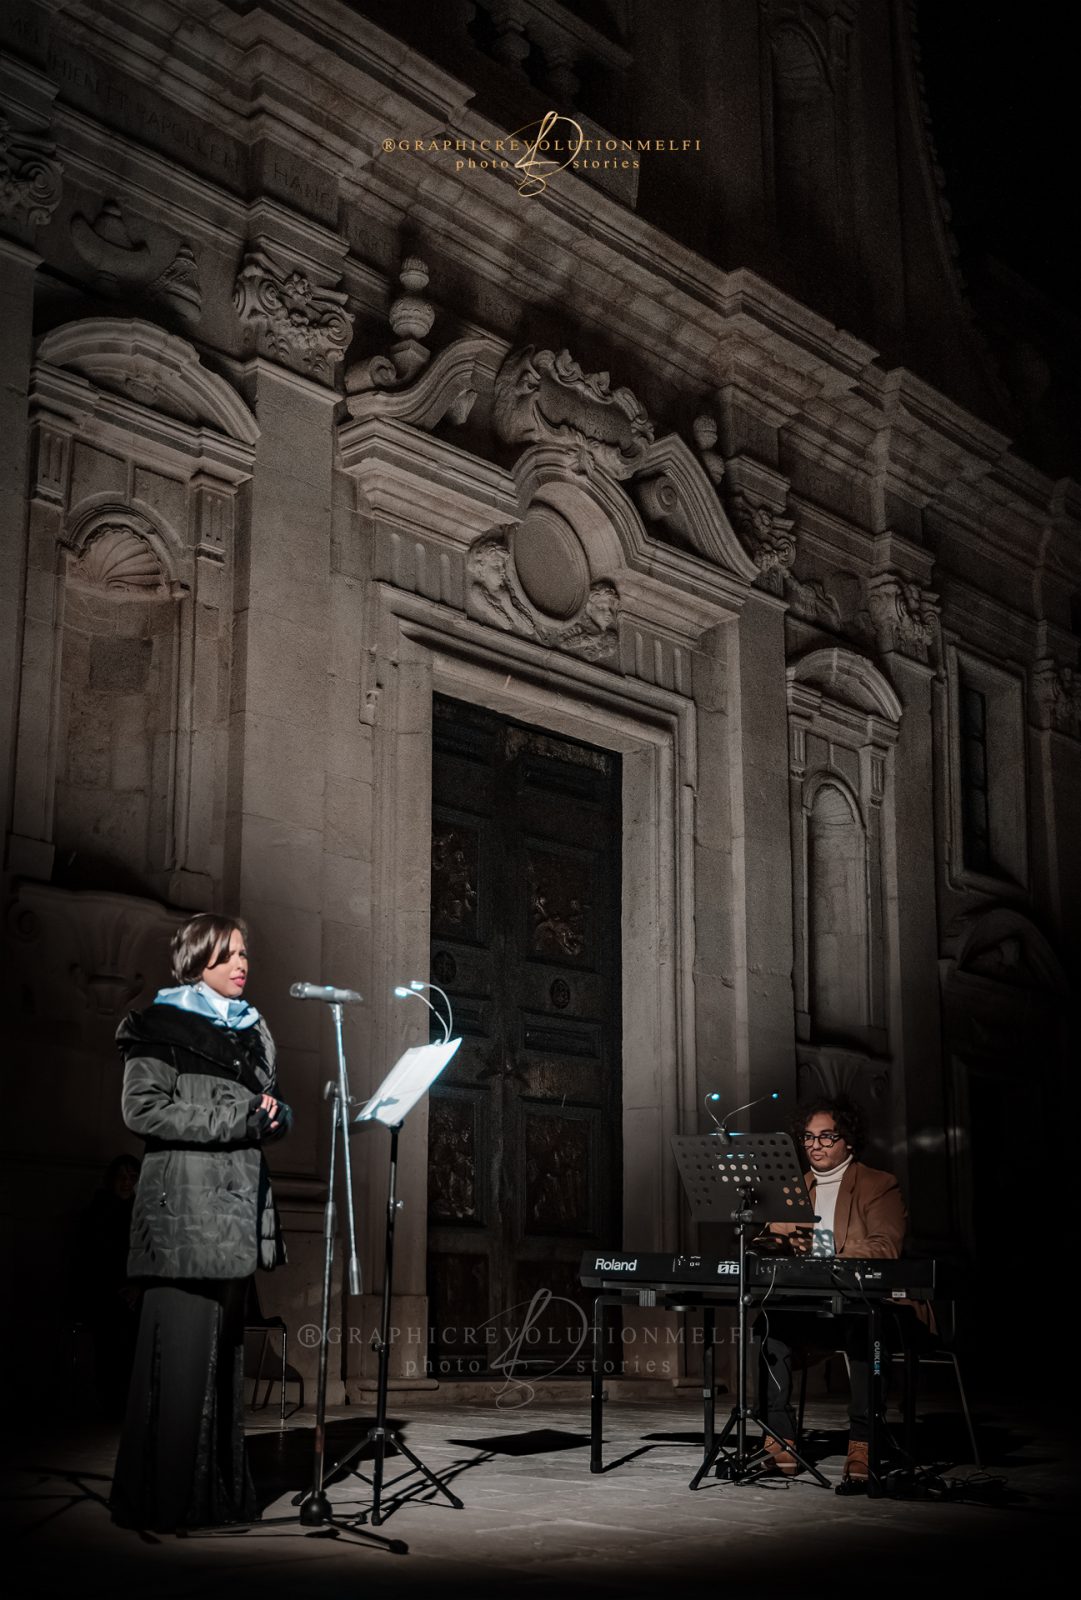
(181, 1462)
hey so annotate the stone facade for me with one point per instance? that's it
(308, 417)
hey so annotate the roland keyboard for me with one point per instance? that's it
(716, 1277)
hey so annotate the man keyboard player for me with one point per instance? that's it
(860, 1213)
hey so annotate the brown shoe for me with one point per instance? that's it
(780, 1455)
(857, 1467)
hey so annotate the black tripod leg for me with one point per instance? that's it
(381, 1438)
(377, 1477)
(400, 1445)
(596, 1390)
(707, 1462)
(715, 1447)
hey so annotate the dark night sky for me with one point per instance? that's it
(1005, 123)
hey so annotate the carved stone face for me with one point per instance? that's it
(488, 563)
(602, 607)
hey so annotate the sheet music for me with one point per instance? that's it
(411, 1076)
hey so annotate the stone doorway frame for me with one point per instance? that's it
(653, 731)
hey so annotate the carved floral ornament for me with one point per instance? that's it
(296, 322)
(30, 177)
(542, 397)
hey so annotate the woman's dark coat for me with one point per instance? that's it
(192, 1090)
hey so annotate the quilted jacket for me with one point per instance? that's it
(192, 1090)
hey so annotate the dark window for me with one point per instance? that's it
(975, 814)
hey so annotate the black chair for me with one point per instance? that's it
(918, 1349)
(255, 1321)
(937, 1349)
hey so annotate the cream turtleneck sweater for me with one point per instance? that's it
(827, 1188)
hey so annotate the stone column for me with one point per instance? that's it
(915, 1028)
(275, 874)
(761, 885)
(17, 268)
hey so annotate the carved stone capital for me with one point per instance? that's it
(297, 323)
(541, 397)
(30, 176)
(1055, 695)
(768, 537)
(903, 614)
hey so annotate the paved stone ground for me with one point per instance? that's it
(536, 1522)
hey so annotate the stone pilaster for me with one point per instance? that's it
(761, 889)
(914, 999)
(17, 268)
(274, 867)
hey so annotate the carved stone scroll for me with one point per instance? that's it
(30, 176)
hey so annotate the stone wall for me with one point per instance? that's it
(300, 431)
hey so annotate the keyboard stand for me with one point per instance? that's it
(741, 1464)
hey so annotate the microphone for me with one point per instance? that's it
(323, 991)
(722, 1127)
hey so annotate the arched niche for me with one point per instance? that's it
(837, 911)
(843, 721)
(116, 710)
(138, 453)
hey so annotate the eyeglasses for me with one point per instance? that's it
(826, 1139)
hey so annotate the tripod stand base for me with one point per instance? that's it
(315, 1510)
(382, 1439)
(751, 1465)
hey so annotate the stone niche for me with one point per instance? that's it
(843, 720)
(117, 711)
(138, 454)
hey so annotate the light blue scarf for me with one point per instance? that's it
(194, 997)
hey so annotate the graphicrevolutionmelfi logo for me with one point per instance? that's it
(541, 149)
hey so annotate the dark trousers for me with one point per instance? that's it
(781, 1334)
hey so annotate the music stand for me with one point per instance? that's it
(750, 1179)
(407, 1081)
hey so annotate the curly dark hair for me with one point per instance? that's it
(847, 1118)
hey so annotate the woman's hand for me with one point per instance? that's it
(270, 1106)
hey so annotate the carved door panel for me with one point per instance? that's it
(524, 1127)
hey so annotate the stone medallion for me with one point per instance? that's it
(550, 563)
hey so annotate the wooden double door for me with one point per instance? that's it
(524, 1141)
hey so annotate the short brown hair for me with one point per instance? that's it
(199, 940)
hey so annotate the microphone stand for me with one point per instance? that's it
(315, 1510)
(385, 1438)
